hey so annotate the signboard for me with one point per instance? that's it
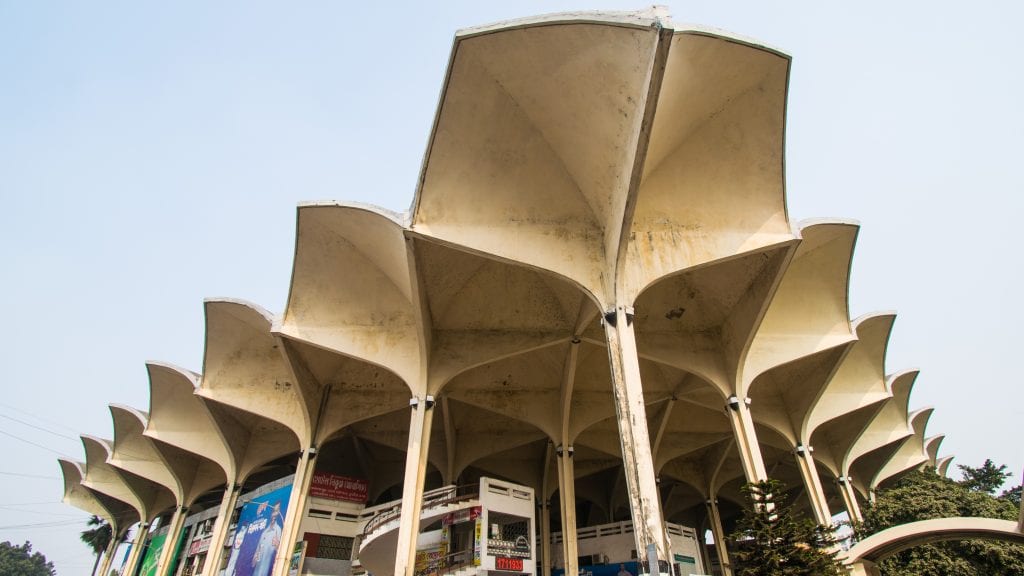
(508, 564)
(460, 516)
(334, 487)
(258, 534)
(201, 545)
(149, 561)
(295, 566)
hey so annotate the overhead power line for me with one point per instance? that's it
(32, 443)
(29, 475)
(30, 425)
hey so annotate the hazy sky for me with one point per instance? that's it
(152, 154)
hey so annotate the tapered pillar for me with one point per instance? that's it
(220, 530)
(296, 509)
(163, 565)
(545, 537)
(567, 501)
(108, 555)
(746, 439)
(140, 541)
(812, 483)
(715, 519)
(850, 499)
(648, 526)
(864, 568)
(412, 488)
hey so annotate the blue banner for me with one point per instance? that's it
(258, 534)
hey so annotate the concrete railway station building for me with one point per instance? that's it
(595, 323)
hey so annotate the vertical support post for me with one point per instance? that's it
(812, 482)
(296, 509)
(108, 555)
(850, 499)
(171, 543)
(220, 529)
(545, 536)
(412, 489)
(631, 413)
(136, 553)
(746, 439)
(719, 533)
(567, 500)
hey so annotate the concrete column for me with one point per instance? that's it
(108, 555)
(412, 489)
(850, 499)
(220, 530)
(136, 554)
(545, 537)
(721, 550)
(567, 500)
(296, 510)
(163, 565)
(738, 411)
(812, 482)
(637, 461)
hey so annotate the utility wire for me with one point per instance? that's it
(40, 512)
(32, 443)
(56, 524)
(48, 431)
(41, 419)
(29, 475)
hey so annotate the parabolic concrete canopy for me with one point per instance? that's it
(597, 292)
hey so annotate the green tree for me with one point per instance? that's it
(986, 478)
(923, 495)
(771, 539)
(21, 561)
(1012, 495)
(97, 537)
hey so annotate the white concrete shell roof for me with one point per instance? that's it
(118, 514)
(911, 453)
(578, 164)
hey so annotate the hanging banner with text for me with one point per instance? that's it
(335, 487)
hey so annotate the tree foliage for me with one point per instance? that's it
(986, 478)
(923, 495)
(21, 561)
(97, 537)
(771, 539)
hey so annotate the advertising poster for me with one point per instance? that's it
(148, 565)
(258, 534)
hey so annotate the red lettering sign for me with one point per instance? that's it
(508, 564)
(334, 487)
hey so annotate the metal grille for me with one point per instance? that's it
(334, 547)
(508, 535)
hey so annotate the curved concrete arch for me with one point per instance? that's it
(718, 127)
(353, 289)
(891, 424)
(483, 309)
(911, 454)
(931, 448)
(135, 453)
(244, 368)
(942, 466)
(559, 158)
(104, 478)
(809, 311)
(859, 381)
(883, 544)
(81, 497)
(700, 319)
(178, 417)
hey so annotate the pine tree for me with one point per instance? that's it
(770, 539)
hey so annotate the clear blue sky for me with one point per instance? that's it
(152, 154)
